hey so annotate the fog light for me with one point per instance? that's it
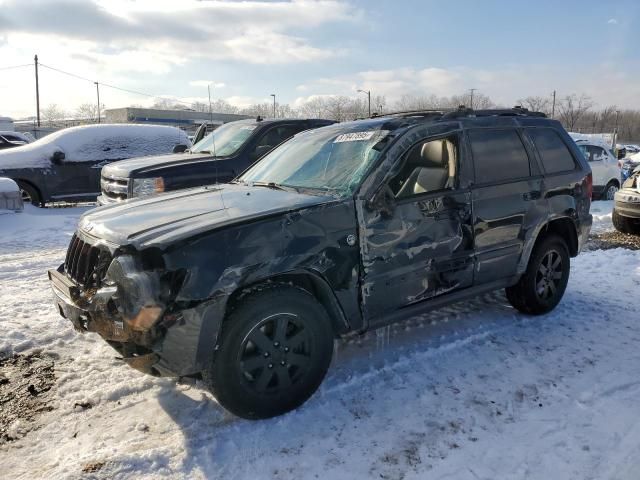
(145, 318)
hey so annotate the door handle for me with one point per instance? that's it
(533, 195)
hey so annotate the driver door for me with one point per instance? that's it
(420, 245)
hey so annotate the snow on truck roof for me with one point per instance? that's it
(94, 143)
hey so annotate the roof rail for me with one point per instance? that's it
(425, 112)
(516, 111)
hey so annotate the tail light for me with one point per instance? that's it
(589, 184)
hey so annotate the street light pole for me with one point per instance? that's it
(35, 59)
(98, 93)
(553, 106)
(274, 104)
(368, 93)
(615, 134)
(210, 112)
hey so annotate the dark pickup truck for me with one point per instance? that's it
(341, 229)
(219, 157)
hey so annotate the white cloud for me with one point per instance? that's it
(612, 21)
(206, 83)
(505, 85)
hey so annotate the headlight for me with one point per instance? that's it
(147, 186)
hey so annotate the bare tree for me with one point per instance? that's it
(572, 109)
(89, 112)
(53, 113)
(536, 104)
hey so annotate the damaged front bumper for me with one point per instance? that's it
(127, 313)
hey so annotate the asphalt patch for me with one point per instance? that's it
(25, 393)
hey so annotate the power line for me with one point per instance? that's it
(17, 66)
(111, 86)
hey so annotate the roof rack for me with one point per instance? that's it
(516, 111)
(413, 113)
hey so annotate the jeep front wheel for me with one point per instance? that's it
(275, 349)
(543, 284)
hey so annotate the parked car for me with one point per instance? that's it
(605, 167)
(341, 229)
(218, 157)
(9, 139)
(629, 164)
(626, 210)
(65, 165)
(632, 148)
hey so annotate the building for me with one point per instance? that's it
(185, 119)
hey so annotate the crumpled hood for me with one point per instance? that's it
(164, 218)
(132, 166)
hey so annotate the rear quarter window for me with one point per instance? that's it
(498, 155)
(554, 153)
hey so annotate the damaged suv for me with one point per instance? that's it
(340, 229)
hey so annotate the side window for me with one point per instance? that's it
(428, 166)
(555, 155)
(596, 154)
(498, 155)
(274, 137)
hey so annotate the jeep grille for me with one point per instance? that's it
(86, 264)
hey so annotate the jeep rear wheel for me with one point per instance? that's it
(274, 352)
(543, 284)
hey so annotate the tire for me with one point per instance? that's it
(274, 352)
(537, 291)
(610, 190)
(30, 194)
(625, 224)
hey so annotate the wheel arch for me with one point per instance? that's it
(307, 280)
(32, 185)
(564, 227)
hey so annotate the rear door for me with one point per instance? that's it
(507, 198)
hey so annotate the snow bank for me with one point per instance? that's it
(91, 143)
(10, 198)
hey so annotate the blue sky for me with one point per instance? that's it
(506, 49)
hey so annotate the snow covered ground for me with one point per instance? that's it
(472, 391)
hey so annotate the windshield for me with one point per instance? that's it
(225, 140)
(333, 159)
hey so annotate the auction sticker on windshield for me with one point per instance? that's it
(355, 136)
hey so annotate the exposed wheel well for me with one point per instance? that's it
(565, 229)
(313, 284)
(614, 181)
(32, 185)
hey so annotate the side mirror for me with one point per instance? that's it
(383, 201)
(179, 148)
(622, 153)
(58, 157)
(261, 151)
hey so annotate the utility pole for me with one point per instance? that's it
(98, 93)
(37, 91)
(368, 93)
(615, 134)
(210, 112)
(471, 100)
(274, 104)
(553, 105)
